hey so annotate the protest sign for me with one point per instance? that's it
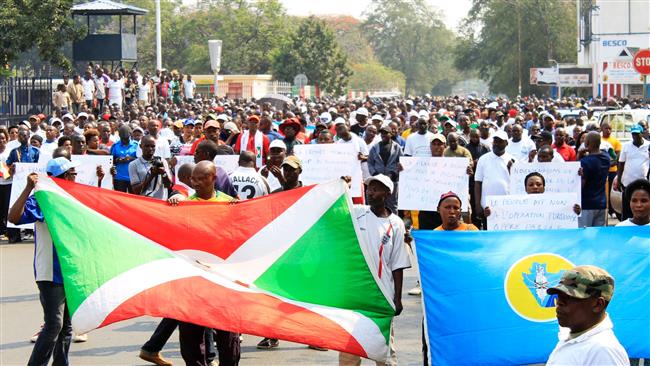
(424, 179)
(324, 162)
(87, 171)
(227, 162)
(19, 183)
(182, 159)
(559, 177)
(532, 211)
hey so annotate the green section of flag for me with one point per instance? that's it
(327, 267)
(91, 248)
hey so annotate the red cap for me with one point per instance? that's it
(254, 117)
(211, 123)
(512, 113)
(106, 116)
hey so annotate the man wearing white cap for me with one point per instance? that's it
(492, 173)
(384, 233)
(361, 116)
(272, 171)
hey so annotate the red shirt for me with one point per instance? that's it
(250, 145)
(567, 152)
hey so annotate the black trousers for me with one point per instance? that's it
(122, 186)
(5, 194)
(165, 329)
(194, 347)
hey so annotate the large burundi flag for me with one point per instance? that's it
(290, 266)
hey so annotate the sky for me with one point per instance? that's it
(453, 10)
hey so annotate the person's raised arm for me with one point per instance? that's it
(16, 211)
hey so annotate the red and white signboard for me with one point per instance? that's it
(641, 62)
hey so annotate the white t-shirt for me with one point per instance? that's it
(492, 171)
(143, 92)
(394, 255)
(630, 223)
(89, 88)
(487, 142)
(162, 149)
(520, 149)
(359, 145)
(636, 161)
(598, 346)
(3, 158)
(557, 158)
(418, 145)
(189, 86)
(115, 91)
(100, 86)
(248, 183)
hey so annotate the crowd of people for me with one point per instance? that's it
(146, 121)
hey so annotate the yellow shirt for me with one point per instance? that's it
(617, 148)
(406, 133)
(462, 227)
(217, 196)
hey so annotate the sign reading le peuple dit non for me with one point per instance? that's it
(641, 62)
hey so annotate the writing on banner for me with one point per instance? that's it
(324, 162)
(227, 162)
(424, 179)
(532, 211)
(20, 182)
(87, 170)
(560, 177)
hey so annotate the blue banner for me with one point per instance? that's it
(484, 293)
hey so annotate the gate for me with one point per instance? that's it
(24, 96)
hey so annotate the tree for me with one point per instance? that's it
(43, 24)
(312, 50)
(514, 36)
(375, 76)
(410, 37)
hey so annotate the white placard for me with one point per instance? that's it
(323, 162)
(424, 179)
(87, 171)
(559, 177)
(227, 162)
(20, 182)
(532, 211)
(182, 159)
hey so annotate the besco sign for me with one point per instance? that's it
(615, 43)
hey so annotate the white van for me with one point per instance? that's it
(622, 120)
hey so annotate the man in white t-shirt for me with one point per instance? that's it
(100, 88)
(88, 85)
(519, 146)
(115, 87)
(344, 136)
(162, 145)
(633, 164)
(189, 86)
(492, 173)
(419, 144)
(384, 233)
(247, 181)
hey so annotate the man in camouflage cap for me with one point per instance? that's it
(582, 298)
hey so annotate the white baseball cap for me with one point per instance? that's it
(500, 134)
(383, 179)
(278, 143)
(325, 117)
(362, 111)
(377, 117)
(68, 115)
(339, 120)
(424, 115)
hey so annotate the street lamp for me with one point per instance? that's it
(214, 46)
(557, 68)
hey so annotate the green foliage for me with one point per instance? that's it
(514, 36)
(409, 36)
(42, 24)
(311, 49)
(250, 31)
(375, 76)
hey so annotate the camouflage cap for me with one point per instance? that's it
(583, 282)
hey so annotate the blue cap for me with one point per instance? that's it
(188, 121)
(59, 166)
(636, 129)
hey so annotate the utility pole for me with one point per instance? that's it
(158, 41)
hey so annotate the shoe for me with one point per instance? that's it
(155, 357)
(35, 336)
(268, 343)
(4, 237)
(317, 348)
(416, 291)
(80, 338)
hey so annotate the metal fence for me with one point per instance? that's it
(23, 96)
(235, 89)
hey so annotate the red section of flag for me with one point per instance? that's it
(242, 312)
(159, 222)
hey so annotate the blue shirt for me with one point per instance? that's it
(23, 154)
(46, 261)
(595, 169)
(272, 135)
(118, 150)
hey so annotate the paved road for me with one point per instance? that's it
(119, 344)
